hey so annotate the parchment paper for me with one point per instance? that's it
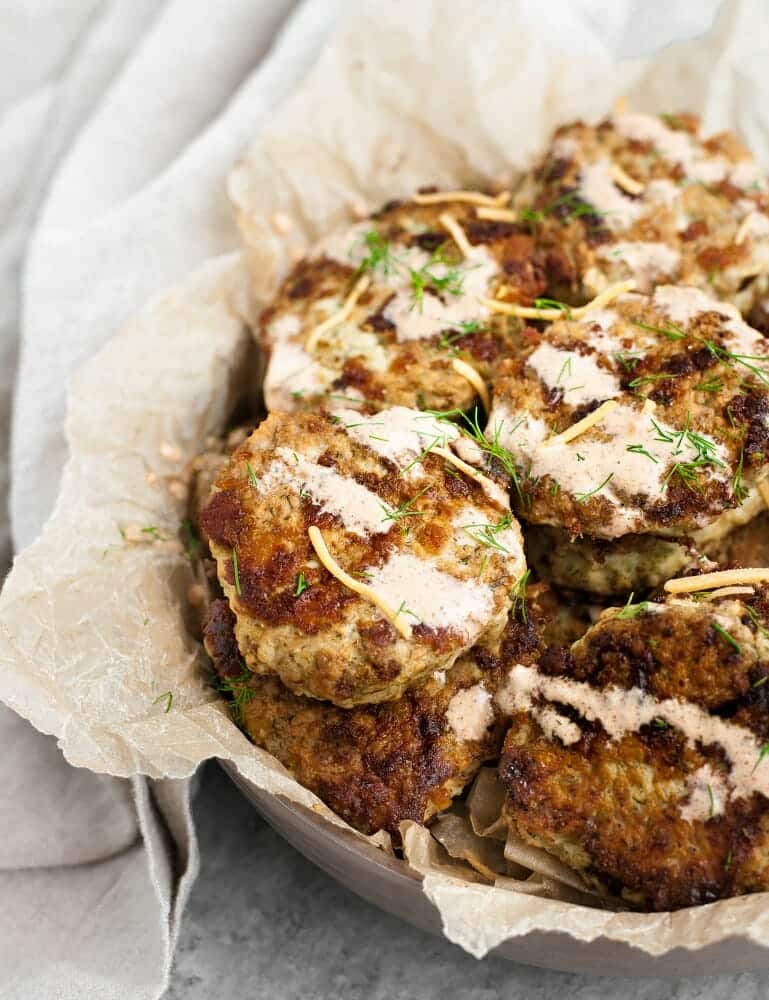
(92, 630)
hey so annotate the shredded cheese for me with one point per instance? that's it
(318, 543)
(625, 181)
(468, 197)
(763, 489)
(729, 592)
(621, 105)
(341, 315)
(496, 214)
(531, 312)
(492, 489)
(713, 581)
(457, 233)
(583, 425)
(474, 378)
(742, 231)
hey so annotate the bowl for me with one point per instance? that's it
(395, 887)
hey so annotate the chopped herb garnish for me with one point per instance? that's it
(763, 752)
(753, 615)
(582, 497)
(168, 697)
(565, 370)
(486, 534)
(518, 595)
(659, 723)
(406, 509)
(728, 637)
(301, 585)
(553, 304)
(628, 359)
(671, 332)
(379, 253)
(638, 449)
(645, 379)
(631, 610)
(253, 481)
(238, 687)
(710, 385)
(236, 571)
(152, 530)
(191, 539)
(403, 610)
(493, 447)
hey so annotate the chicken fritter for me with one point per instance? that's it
(382, 311)
(424, 551)
(637, 758)
(641, 562)
(647, 197)
(684, 428)
(376, 765)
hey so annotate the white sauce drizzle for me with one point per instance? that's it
(578, 375)
(431, 596)
(621, 711)
(398, 434)
(647, 262)
(470, 712)
(417, 322)
(554, 725)
(290, 369)
(597, 187)
(433, 314)
(673, 145)
(361, 511)
(707, 793)
(682, 304)
(579, 466)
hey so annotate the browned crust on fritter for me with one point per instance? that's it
(561, 220)
(419, 372)
(374, 765)
(670, 374)
(304, 637)
(611, 808)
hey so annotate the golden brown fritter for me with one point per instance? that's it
(376, 765)
(641, 562)
(436, 545)
(688, 434)
(747, 546)
(680, 208)
(418, 314)
(638, 758)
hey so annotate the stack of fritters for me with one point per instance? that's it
(439, 370)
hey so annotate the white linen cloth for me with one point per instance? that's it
(93, 871)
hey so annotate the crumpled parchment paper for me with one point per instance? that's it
(92, 629)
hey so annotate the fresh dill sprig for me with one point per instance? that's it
(628, 359)
(236, 571)
(253, 481)
(645, 379)
(727, 636)
(553, 304)
(518, 595)
(379, 253)
(168, 697)
(405, 510)
(763, 752)
(582, 497)
(710, 385)
(631, 610)
(486, 534)
(753, 615)
(403, 610)
(301, 585)
(493, 447)
(239, 690)
(638, 449)
(671, 332)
